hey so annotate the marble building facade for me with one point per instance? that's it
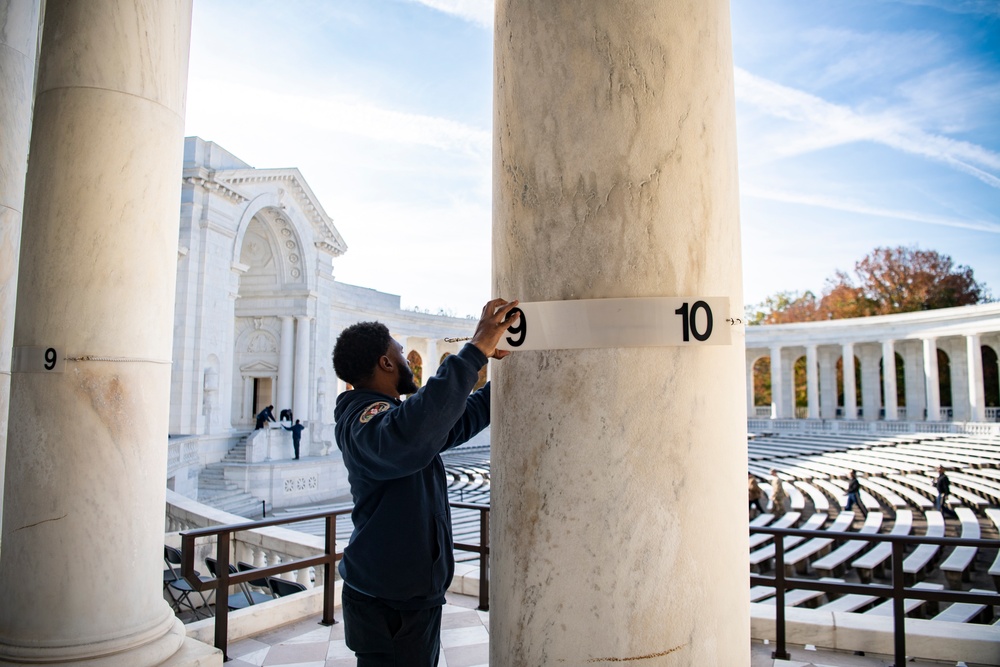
(922, 368)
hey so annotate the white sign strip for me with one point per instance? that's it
(638, 322)
(37, 360)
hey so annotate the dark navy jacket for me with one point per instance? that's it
(401, 548)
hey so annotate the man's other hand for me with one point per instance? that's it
(494, 322)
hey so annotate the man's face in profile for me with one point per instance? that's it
(404, 381)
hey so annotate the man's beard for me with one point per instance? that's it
(405, 383)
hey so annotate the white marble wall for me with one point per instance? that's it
(615, 176)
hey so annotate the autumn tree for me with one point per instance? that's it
(888, 280)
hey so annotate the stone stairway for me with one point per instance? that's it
(215, 491)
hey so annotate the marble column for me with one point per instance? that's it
(19, 21)
(286, 359)
(84, 498)
(431, 361)
(751, 412)
(777, 385)
(827, 383)
(812, 382)
(615, 176)
(931, 382)
(889, 403)
(977, 399)
(300, 400)
(871, 383)
(850, 383)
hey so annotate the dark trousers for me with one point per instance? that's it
(295, 444)
(381, 636)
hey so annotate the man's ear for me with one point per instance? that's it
(385, 363)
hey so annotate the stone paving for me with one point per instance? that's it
(465, 643)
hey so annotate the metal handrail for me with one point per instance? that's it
(897, 591)
(225, 579)
(483, 549)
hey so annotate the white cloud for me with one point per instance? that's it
(864, 209)
(823, 124)
(477, 11)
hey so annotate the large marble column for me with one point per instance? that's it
(19, 22)
(777, 385)
(828, 383)
(618, 518)
(431, 362)
(84, 498)
(286, 357)
(977, 399)
(303, 350)
(889, 404)
(850, 383)
(931, 382)
(812, 382)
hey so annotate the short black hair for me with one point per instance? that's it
(357, 351)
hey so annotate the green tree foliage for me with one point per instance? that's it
(887, 280)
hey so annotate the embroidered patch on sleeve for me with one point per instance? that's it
(373, 410)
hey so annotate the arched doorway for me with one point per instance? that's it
(762, 383)
(417, 366)
(944, 381)
(991, 378)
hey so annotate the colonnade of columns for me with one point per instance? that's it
(921, 373)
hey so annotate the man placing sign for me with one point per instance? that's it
(399, 561)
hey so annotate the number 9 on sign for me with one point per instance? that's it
(37, 359)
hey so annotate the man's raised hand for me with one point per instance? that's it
(492, 324)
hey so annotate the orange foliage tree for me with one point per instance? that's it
(887, 280)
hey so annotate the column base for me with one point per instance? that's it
(152, 648)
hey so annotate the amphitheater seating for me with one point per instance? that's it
(967, 612)
(923, 557)
(760, 560)
(871, 564)
(787, 520)
(956, 566)
(833, 562)
(994, 516)
(797, 560)
(910, 605)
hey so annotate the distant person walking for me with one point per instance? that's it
(265, 415)
(756, 494)
(296, 435)
(943, 486)
(778, 495)
(854, 494)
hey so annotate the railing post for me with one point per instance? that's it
(779, 601)
(222, 595)
(484, 559)
(328, 586)
(898, 603)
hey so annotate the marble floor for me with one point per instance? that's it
(465, 643)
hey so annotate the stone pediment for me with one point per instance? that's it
(289, 184)
(258, 367)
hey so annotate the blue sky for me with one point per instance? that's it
(860, 124)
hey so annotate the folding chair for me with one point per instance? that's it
(180, 589)
(283, 587)
(245, 597)
(259, 583)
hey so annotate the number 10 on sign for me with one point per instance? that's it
(638, 322)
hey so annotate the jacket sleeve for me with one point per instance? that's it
(400, 441)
